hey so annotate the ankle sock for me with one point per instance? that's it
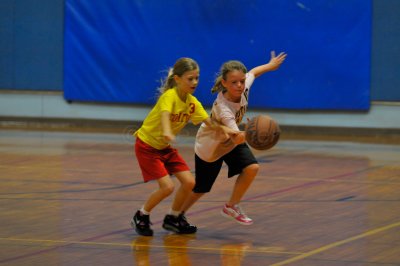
(144, 212)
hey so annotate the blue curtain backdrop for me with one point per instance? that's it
(117, 51)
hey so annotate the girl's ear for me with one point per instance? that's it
(223, 82)
(176, 78)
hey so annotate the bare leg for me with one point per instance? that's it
(243, 182)
(187, 183)
(190, 200)
(166, 187)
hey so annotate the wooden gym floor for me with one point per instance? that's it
(67, 199)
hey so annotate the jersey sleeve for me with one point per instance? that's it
(199, 114)
(249, 80)
(166, 102)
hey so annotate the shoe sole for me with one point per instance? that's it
(231, 217)
(170, 228)
(173, 229)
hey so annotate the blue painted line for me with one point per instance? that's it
(346, 198)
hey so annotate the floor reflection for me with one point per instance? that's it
(141, 250)
(233, 254)
(184, 250)
(176, 247)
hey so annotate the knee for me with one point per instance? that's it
(189, 184)
(167, 190)
(252, 170)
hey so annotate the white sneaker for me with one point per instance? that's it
(236, 213)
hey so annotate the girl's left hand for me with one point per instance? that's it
(276, 61)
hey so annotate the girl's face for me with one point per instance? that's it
(234, 85)
(188, 82)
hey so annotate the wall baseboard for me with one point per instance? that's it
(374, 135)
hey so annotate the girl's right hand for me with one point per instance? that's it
(238, 137)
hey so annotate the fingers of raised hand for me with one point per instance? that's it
(282, 56)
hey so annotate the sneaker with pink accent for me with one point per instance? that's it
(236, 213)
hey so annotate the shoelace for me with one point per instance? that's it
(144, 220)
(183, 221)
(239, 210)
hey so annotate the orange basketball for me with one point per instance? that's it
(262, 132)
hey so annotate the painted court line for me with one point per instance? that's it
(314, 183)
(293, 188)
(273, 250)
(273, 193)
(336, 244)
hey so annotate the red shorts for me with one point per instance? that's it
(158, 163)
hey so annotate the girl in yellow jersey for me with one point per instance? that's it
(175, 107)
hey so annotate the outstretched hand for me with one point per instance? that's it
(276, 61)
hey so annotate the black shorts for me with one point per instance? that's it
(206, 173)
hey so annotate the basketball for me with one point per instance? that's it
(262, 132)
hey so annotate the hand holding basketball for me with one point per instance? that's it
(262, 132)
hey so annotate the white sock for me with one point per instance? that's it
(143, 211)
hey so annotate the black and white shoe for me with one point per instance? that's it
(178, 224)
(141, 223)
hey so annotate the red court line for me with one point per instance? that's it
(294, 188)
(269, 194)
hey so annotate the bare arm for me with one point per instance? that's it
(237, 137)
(166, 127)
(273, 64)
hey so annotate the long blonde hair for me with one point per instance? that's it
(181, 66)
(225, 69)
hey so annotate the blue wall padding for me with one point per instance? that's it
(117, 51)
(31, 44)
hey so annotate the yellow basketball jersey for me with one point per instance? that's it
(180, 114)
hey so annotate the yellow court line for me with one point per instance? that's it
(336, 244)
(273, 250)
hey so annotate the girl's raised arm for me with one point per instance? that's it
(273, 64)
